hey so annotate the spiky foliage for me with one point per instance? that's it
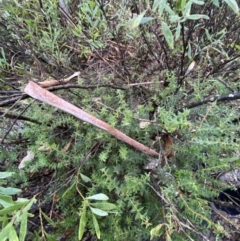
(131, 77)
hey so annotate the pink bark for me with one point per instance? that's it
(44, 95)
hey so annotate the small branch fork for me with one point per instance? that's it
(44, 95)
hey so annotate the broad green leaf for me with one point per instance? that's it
(9, 190)
(12, 234)
(5, 174)
(30, 215)
(155, 231)
(187, 9)
(180, 5)
(96, 226)
(183, 3)
(178, 30)
(85, 178)
(104, 206)
(4, 220)
(168, 35)
(5, 232)
(237, 47)
(220, 51)
(99, 196)
(198, 2)
(135, 22)
(156, 4)
(146, 19)
(11, 209)
(29, 204)
(169, 10)
(6, 201)
(69, 191)
(82, 221)
(99, 212)
(233, 5)
(168, 237)
(208, 35)
(197, 16)
(22, 200)
(222, 33)
(23, 226)
(161, 7)
(25, 209)
(174, 18)
(49, 220)
(216, 3)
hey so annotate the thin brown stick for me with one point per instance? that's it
(52, 82)
(44, 95)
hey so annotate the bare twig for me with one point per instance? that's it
(230, 96)
(10, 128)
(12, 99)
(14, 116)
(9, 101)
(69, 86)
(52, 82)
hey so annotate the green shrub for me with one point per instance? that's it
(13, 214)
(135, 75)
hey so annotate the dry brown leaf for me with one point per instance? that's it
(168, 146)
(57, 216)
(190, 68)
(55, 198)
(144, 124)
(66, 147)
(28, 158)
(44, 148)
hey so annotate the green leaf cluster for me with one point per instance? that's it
(13, 214)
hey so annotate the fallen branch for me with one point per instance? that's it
(44, 95)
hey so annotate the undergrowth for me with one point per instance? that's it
(134, 79)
